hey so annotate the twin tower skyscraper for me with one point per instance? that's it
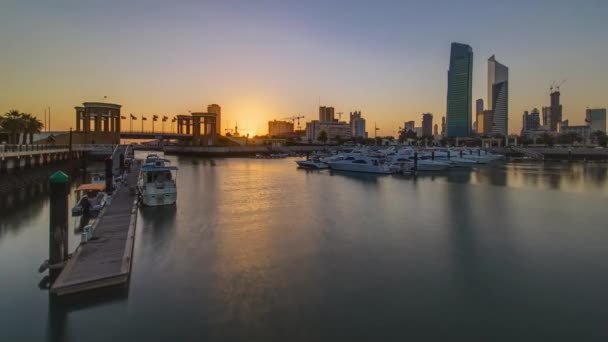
(460, 93)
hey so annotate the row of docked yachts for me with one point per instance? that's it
(392, 160)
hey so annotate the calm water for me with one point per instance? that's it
(257, 250)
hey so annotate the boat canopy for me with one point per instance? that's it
(92, 187)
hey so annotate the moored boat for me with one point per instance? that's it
(157, 182)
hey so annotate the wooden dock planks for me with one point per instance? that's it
(106, 259)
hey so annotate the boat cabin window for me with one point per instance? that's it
(349, 158)
(359, 162)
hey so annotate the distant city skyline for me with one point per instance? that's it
(265, 61)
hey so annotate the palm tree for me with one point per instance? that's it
(13, 124)
(32, 126)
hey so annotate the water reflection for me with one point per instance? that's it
(366, 178)
(259, 250)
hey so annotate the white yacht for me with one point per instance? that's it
(359, 164)
(156, 183)
(454, 159)
(425, 162)
(312, 163)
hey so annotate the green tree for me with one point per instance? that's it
(322, 137)
(31, 126)
(14, 124)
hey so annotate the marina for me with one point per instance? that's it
(429, 249)
(106, 259)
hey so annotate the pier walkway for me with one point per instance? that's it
(105, 260)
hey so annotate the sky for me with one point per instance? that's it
(263, 60)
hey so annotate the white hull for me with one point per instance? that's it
(311, 164)
(159, 199)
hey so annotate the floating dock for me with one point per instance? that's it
(106, 259)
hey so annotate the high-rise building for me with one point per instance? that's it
(410, 126)
(427, 124)
(498, 96)
(443, 126)
(357, 125)
(460, 89)
(436, 130)
(596, 119)
(326, 114)
(478, 106)
(280, 128)
(530, 121)
(552, 115)
(485, 122)
(478, 113)
(217, 110)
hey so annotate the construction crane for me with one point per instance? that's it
(339, 115)
(556, 85)
(294, 118)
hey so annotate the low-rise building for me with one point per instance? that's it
(333, 130)
(280, 128)
(584, 131)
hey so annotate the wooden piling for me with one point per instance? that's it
(58, 222)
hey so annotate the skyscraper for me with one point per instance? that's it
(478, 106)
(530, 121)
(409, 126)
(326, 114)
(498, 96)
(357, 124)
(596, 119)
(460, 89)
(427, 124)
(552, 115)
(217, 110)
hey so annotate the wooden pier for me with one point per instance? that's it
(106, 259)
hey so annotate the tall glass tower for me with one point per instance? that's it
(460, 89)
(498, 96)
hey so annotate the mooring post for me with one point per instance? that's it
(416, 161)
(460, 153)
(432, 155)
(479, 152)
(58, 222)
(448, 154)
(109, 165)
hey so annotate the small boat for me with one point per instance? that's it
(93, 199)
(360, 164)
(313, 163)
(157, 183)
